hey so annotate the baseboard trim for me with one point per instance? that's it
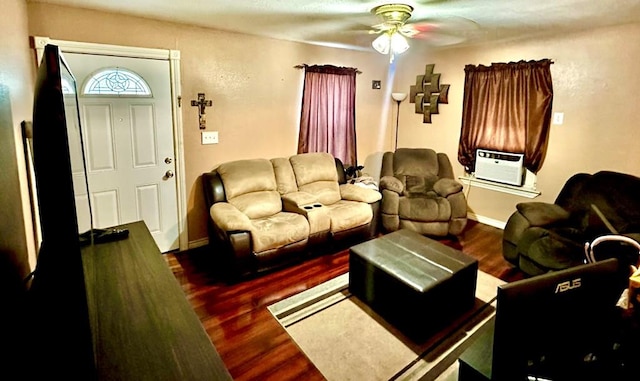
(198, 243)
(487, 221)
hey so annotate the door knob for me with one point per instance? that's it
(168, 160)
(168, 174)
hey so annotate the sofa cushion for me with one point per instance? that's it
(326, 192)
(415, 184)
(250, 185)
(258, 204)
(549, 252)
(268, 233)
(285, 178)
(278, 230)
(316, 174)
(424, 209)
(419, 185)
(415, 162)
(347, 215)
(312, 167)
(245, 176)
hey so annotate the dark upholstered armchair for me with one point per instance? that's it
(541, 237)
(419, 193)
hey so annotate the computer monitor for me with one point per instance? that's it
(558, 326)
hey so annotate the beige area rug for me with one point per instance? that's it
(346, 340)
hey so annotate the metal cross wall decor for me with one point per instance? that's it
(201, 103)
(427, 93)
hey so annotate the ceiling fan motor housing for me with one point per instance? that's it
(394, 14)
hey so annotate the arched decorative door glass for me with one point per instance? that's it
(116, 81)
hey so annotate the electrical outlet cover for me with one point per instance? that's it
(209, 137)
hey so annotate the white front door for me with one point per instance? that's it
(129, 143)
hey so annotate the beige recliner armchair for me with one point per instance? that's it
(419, 193)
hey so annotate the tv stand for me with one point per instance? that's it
(475, 362)
(142, 325)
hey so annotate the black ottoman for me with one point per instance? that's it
(416, 284)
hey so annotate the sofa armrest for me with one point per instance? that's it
(213, 188)
(530, 219)
(446, 187)
(228, 218)
(307, 204)
(354, 192)
(295, 201)
(542, 213)
(392, 184)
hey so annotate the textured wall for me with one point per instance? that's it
(16, 93)
(595, 85)
(256, 95)
(254, 87)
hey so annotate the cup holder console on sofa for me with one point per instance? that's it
(319, 222)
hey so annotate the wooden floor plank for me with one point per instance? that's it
(250, 341)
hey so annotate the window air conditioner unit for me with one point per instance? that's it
(501, 167)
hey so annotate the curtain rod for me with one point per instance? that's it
(302, 66)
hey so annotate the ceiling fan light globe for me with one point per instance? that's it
(382, 43)
(398, 43)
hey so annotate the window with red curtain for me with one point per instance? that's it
(507, 107)
(328, 117)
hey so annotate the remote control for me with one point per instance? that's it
(103, 235)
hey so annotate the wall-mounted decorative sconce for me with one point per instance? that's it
(427, 93)
(201, 103)
(398, 97)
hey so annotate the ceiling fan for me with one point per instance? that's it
(395, 29)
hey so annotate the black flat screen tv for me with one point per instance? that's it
(62, 339)
(558, 326)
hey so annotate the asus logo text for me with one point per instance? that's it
(568, 285)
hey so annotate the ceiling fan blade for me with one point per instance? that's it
(442, 31)
(409, 31)
(450, 24)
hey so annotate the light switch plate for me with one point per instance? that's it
(209, 137)
(558, 117)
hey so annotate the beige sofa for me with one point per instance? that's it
(265, 213)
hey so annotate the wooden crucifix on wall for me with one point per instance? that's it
(202, 103)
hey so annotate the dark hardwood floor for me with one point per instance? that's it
(251, 342)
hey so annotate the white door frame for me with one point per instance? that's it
(173, 56)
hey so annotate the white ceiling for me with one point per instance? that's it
(345, 23)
